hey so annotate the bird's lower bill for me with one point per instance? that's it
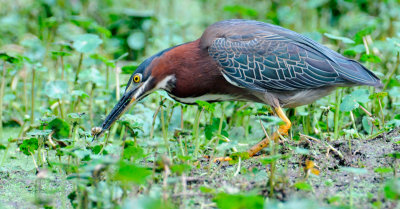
(119, 109)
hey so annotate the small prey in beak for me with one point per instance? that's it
(135, 90)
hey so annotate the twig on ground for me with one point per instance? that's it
(324, 143)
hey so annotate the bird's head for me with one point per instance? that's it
(148, 77)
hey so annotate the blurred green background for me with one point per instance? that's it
(145, 27)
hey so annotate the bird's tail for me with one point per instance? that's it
(358, 74)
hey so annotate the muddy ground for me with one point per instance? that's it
(337, 183)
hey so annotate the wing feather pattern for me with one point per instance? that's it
(268, 57)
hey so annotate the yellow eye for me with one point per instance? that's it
(136, 78)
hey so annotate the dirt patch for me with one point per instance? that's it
(337, 184)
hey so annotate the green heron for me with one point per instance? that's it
(245, 60)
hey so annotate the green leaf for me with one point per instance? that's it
(302, 111)
(146, 202)
(334, 199)
(82, 154)
(270, 159)
(392, 189)
(96, 149)
(303, 186)
(211, 130)
(360, 95)
(60, 53)
(350, 102)
(136, 40)
(9, 97)
(37, 132)
(56, 89)
(107, 62)
(129, 172)
(79, 93)
(367, 124)
(35, 50)
(101, 30)
(60, 127)
(370, 58)
(210, 107)
(91, 75)
(271, 120)
(181, 168)
(395, 155)
(129, 69)
(8, 58)
(236, 155)
(132, 151)
(240, 10)
(363, 32)
(238, 201)
(207, 190)
(40, 68)
(131, 121)
(313, 4)
(379, 95)
(29, 145)
(340, 38)
(86, 43)
(383, 170)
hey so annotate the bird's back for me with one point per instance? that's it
(235, 44)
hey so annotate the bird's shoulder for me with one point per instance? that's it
(242, 31)
(237, 29)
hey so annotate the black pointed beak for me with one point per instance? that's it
(120, 108)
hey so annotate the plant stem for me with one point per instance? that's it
(122, 133)
(34, 161)
(271, 181)
(62, 67)
(75, 133)
(107, 77)
(392, 72)
(164, 131)
(336, 116)
(154, 121)
(2, 83)
(25, 98)
(382, 115)
(117, 83)
(33, 97)
(78, 69)
(354, 123)
(196, 132)
(182, 122)
(91, 104)
(60, 105)
(5, 154)
(221, 119)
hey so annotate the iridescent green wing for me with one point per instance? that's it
(271, 62)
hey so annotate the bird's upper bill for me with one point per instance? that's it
(123, 105)
(132, 94)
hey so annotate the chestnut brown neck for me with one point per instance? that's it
(195, 72)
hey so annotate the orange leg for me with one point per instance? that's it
(283, 130)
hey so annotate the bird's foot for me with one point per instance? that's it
(219, 159)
